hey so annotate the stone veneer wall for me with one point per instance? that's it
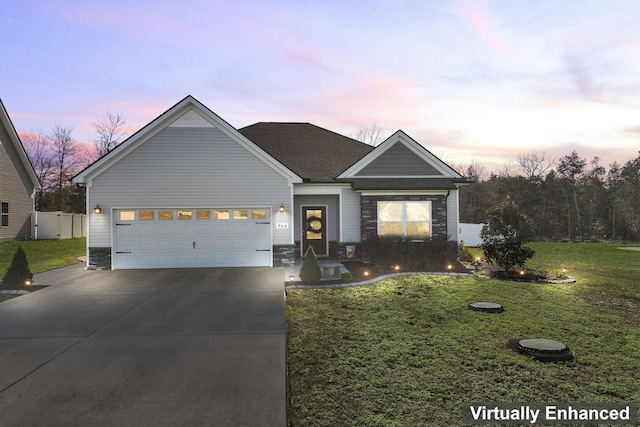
(100, 258)
(369, 213)
(284, 255)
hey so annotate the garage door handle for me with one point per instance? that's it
(263, 250)
(194, 244)
(118, 252)
(258, 222)
(123, 224)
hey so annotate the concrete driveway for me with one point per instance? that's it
(147, 347)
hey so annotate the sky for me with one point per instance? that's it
(472, 80)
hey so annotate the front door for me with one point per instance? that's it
(314, 231)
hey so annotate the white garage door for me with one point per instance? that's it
(176, 238)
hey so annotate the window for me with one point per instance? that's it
(410, 219)
(221, 214)
(127, 215)
(146, 215)
(165, 215)
(240, 214)
(5, 214)
(258, 214)
(185, 215)
(203, 215)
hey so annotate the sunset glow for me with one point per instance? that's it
(471, 80)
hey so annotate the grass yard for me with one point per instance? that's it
(43, 255)
(407, 351)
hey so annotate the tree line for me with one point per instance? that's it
(56, 157)
(566, 199)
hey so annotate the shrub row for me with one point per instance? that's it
(427, 255)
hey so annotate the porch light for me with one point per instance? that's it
(281, 208)
(97, 210)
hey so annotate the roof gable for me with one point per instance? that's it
(187, 113)
(23, 165)
(400, 156)
(313, 153)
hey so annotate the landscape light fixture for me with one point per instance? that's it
(97, 210)
(281, 208)
(292, 279)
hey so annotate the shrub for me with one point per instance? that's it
(428, 255)
(377, 270)
(310, 271)
(504, 236)
(18, 272)
(346, 277)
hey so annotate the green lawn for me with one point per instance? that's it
(408, 352)
(43, 255)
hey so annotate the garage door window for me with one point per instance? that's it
(185, 215)
(127, 215)
(258, 214)
(240, 214)
(203, 215)
(165, 215)
(146, 215)
(221, 214)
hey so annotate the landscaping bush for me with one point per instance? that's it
(428, 255)
(504, 236)
(18, 273)
(346, 277)
(310, 271)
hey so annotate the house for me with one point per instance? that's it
(18, 183)
(190, 190)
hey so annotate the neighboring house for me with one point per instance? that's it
(190, 190)
(18, 183)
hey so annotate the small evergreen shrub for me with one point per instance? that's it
(310, 271)
(18, 272)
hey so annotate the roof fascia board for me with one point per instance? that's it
(15, 140)
(161, 122)
(403, 192)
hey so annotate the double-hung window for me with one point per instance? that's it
(4, 212)
(405, 219)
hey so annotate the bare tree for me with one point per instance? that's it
(109, 132)
(65, 151)
(535, 165)
(38, 148)
(371, 134)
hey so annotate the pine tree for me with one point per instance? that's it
(18, 273)
(310, 271)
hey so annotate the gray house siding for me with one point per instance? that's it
(186, 167)
(398, 160)
(15, 189)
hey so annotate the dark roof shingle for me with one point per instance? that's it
(313, 153)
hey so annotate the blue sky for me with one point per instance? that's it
(471, 80)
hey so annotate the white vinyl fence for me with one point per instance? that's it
(469, 234)
(58, 225)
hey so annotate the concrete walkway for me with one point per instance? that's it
(146, 348)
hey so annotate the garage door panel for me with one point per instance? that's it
(203, 240)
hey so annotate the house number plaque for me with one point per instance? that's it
(282, 225)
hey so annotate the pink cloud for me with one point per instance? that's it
(482, 24)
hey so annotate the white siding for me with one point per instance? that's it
(452, 215)
(350, 216)
(185, 167)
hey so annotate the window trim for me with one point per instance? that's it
(404, 220)
(4, 214)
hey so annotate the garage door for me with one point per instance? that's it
(177, 238)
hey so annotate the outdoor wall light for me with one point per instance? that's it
(281, 208)
(97, 210)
